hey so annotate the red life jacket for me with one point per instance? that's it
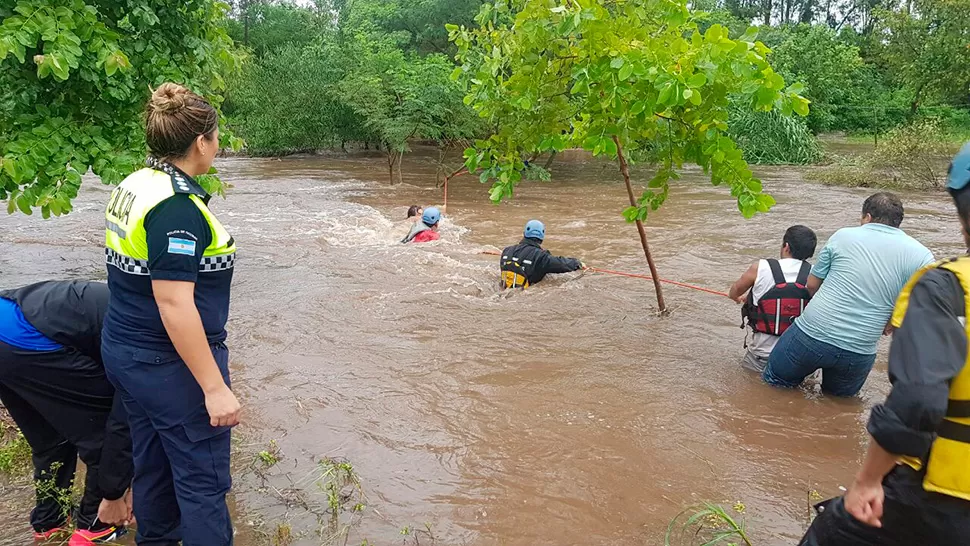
(779, 306)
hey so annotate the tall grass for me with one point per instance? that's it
(773, 139)
(707, 524)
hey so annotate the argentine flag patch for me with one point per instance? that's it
(181, 246)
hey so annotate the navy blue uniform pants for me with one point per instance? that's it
(911, 516)
(61, 401)
(181, 461)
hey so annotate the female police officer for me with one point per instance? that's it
(170, 266)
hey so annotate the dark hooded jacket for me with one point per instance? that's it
(530, 259)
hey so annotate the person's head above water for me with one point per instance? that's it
(182, 128)
(415, 212)
(431, 217)
(883, 208)
(799, 243)
(958, 184)
(535, 229)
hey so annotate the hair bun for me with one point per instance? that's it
(169, 98)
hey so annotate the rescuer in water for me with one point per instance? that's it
(426, 230)
(527, 263)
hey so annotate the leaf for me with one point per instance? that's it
(630, 213)
(23, 203)
(695, 98)
(625, 72)
(617, 62)
(496, 193)
(638, 107)
(609, 146)
(111, 65)
(665, 94)
(688, 93)
(697, 80)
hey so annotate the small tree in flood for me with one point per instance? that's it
(617, 78)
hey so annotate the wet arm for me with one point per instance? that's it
(814, 283)
(928, 350)
(743, 284)
(557, 264)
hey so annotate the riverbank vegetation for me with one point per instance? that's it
(376, 74)
(910, 157)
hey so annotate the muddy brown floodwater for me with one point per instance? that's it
(566, 414)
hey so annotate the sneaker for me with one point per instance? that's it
(47, 535)
(82, 537)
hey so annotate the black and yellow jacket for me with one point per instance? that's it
(527, 263)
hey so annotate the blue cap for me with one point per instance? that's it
(431, 216)
(959, 175)
(534, 229)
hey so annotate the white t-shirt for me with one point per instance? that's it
(762, 344)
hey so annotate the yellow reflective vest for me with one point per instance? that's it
(948, 464)
(126, 245)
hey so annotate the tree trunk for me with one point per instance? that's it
(917, 99)
(390, 166)
(400, 176)
(549, 161)
(246, 22)
(625, 171)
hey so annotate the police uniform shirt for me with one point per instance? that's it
(177, 235)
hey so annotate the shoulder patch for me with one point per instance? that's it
(185, 247)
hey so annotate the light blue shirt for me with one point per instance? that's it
(864, 269)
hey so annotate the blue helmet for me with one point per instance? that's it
(959, 174)
(535, 229)
(431, 216)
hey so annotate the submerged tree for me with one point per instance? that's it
(617, 78)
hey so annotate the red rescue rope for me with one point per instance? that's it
(636, 276)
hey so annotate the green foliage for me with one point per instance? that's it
(773, 139)
(911, 157)
(928, 48)
(75, 76)
(636, 74)
(15, 453)
(709, 523)
(400, 97)
(829, 68)
(271, 456)
(361, 78)
(289, 101)
(266, 27)
(415, 26)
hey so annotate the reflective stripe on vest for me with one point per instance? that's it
(946, 466)
(514, 274)
(126, 245)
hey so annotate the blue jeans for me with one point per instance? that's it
(797, 356)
